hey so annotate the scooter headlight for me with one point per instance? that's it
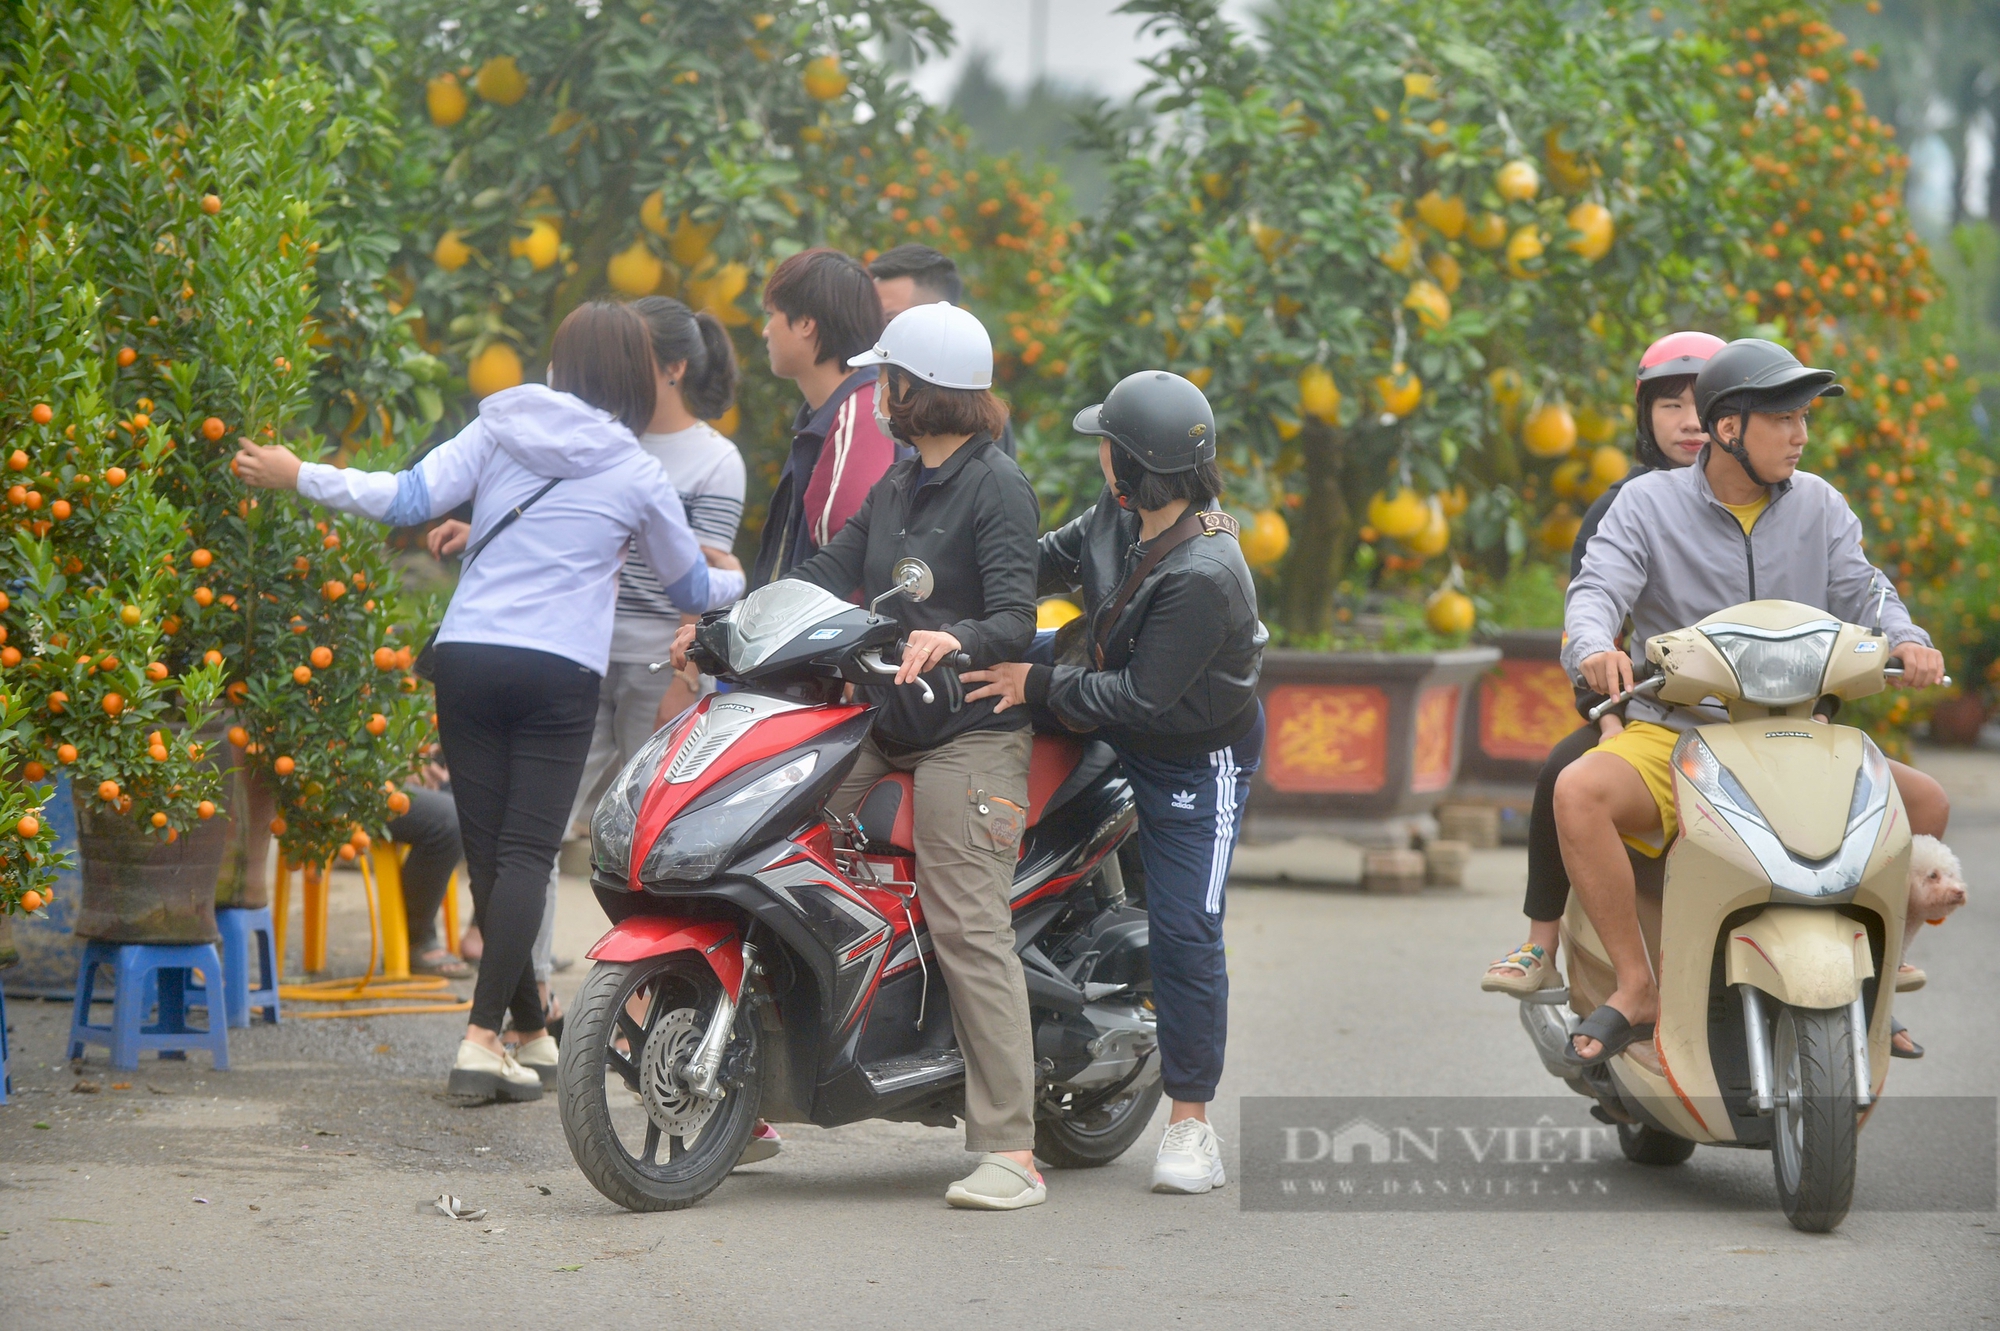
(617, 814)
(696, 845)
(1715, 782)
(1776, 668)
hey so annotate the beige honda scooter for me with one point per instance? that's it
(1783, 901)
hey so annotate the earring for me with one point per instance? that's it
(672, 382)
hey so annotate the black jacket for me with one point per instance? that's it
(1587, 698)
(1180, 664)
(974, 524)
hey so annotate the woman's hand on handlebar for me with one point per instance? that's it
(1608, 673)
(1923, 666)
(924, 649)
(1007, 681)
(683, 638)
(447, 538)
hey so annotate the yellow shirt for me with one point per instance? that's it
(1746, 514)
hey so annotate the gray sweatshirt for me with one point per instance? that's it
(1668, 554)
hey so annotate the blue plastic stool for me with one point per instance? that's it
(246, 941)
(170, 966)
(6, 1077)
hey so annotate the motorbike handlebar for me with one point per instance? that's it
(1645, 688)
(1893, 669)
(875, 663)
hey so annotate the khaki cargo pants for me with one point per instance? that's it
(971, 809)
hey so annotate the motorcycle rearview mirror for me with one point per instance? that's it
(913, 580)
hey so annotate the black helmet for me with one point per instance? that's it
(1751, 374)
(1160, 419)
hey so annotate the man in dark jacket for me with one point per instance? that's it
(1172, 651)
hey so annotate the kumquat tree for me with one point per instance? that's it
(628, 148)
(184, 230)
(1412, 251)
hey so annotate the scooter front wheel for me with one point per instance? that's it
(638, 1133)
(1814, 1122)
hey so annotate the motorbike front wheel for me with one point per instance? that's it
(1814, 1122)
(640, 1136)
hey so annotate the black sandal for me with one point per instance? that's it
(1897, 1028)
(1613, 1033)
(450, 967)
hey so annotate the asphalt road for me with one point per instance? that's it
(286, 1190)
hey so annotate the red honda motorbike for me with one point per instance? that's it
(767, 960)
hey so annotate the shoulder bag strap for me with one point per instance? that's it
(506, 520)
(1190, 525)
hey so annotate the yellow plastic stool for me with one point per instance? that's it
(387, 860)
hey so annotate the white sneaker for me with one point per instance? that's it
(480, 1076)
(1190, 1159)
(539, 1057)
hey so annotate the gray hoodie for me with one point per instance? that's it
(1668, 554)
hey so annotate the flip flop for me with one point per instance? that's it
(1910, 978)
(1538, 972)
(1613, 1033)
(451, 968)
(1897, 1028)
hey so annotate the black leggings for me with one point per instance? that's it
(1548, 880)
(516, 729)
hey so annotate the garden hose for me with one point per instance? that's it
(421, 993)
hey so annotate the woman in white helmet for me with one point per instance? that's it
(962, 506)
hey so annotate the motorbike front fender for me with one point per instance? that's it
(637, 937)
(1806, 956)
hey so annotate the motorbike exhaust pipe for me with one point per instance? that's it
(1756, 1040)
(703, 1067)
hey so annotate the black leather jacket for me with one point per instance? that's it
(974, 523)
(1180, 664)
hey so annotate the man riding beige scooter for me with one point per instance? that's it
(1667, 555)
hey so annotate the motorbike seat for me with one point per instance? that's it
(888, 811)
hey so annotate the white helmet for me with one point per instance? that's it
(939, 343)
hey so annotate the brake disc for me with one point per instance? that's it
(678, 1111)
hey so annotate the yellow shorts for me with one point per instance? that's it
(1650, 750)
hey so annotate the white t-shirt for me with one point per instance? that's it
(707, 472)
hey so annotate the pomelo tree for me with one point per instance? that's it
(628, 148)
(1413, 251)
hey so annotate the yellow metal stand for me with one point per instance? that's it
(403, 994)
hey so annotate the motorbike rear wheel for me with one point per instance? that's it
(1095, 1135)
(622, 1097)
(1814, 1123)
(1645, 1145)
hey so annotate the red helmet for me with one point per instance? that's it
(1678, 353)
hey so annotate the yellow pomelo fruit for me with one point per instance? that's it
(1594, 228)
(451, 252)
(1488, 231)
(540, 246)
(1608, 465)
(1549, 431)
(1436, 534)
(1319, 395)
(1444, 214)
(1433, 307)
(634, 271)
(1399, 390)
(1450, 611)
(1558, 530)
(1056, 612)
(1524, 246)
(1266, 539)
(824, 78)
(652, 215)
(1455, 501)
(1446, 270)
(444, 98)
(1419, 85)
(500, 81)
(1518, 181)
(1566, 479)
(493, 369)
(688, 244)
(1506, 387)
(1398, 517)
